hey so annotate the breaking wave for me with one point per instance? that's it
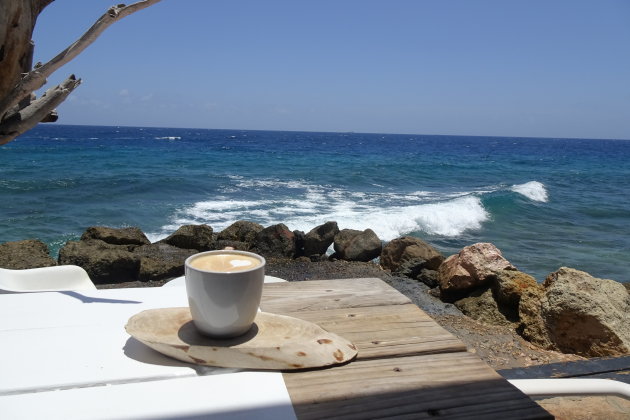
(390, 215)
(533, 190)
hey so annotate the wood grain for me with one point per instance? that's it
(407, 366)
(329, 294)
(384, 331)
(451, 385)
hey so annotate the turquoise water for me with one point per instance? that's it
(544, 202)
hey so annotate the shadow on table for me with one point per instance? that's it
(474, 400)
(136, 350)
(89, 299)
(485, 399)
(270, 412)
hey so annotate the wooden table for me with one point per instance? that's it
(408, 366)
(66, 355)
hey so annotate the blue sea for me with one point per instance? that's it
(545, 203)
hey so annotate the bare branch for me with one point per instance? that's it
(37, 111)
(36, 78)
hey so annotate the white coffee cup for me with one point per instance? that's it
(224, 289)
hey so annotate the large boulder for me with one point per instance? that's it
(578, 313)
(275, 241)
(114, 236)
(402, 250)
(470, 269)
(317, 241)
(161, 261)
(241, 231)
(29, 253)
(227, 244)
(354, 245)
(105, 263)
(197, 237)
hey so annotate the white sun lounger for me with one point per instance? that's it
(45, 279)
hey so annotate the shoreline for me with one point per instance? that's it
(498, 345)
(461, 303)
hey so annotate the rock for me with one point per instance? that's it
(161, 261)
(224, 243)
(420, 295)
(453, 279)
(299, 242)
(275, 241)
(480, 305)
(105, 263)
(317, 241)
(482, 260)
(241, 231)
(532, 324)
(407, 248)
(122, 236)
(578, 313)
(30, 253)
(498, 302)
(509, 285)
(409, 268)
(197, 237)
(414, 269)
(428, 277)
(470, 269)
(354, 245)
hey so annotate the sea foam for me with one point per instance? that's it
(390, 215)
(533, 190)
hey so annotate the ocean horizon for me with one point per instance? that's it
(545, 203)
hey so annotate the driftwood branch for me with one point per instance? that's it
(33, 80)
(37, 110)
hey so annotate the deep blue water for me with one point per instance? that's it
(545, 203)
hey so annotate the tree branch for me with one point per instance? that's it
(38, 109)
(36, 78)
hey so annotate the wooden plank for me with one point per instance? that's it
(450, 385)
(384, 331)
(600, 367)
(329, 294)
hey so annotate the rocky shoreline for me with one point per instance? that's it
(501, 313)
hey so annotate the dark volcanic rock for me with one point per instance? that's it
(428, 277)
(480, 305)
(29, 253)
(354, 245)
(299, 243)
(241, 231)
(123, 236)
(317, 241)
(415, 269)
(104, 263)
(197, 237)
(224, 243)
(161, 261)
(406, 249)
(275, 241)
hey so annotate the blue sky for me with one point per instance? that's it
(496, 68)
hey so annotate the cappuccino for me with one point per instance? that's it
(224, 290)
(225, 263)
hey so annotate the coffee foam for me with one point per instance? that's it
(227, 263)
